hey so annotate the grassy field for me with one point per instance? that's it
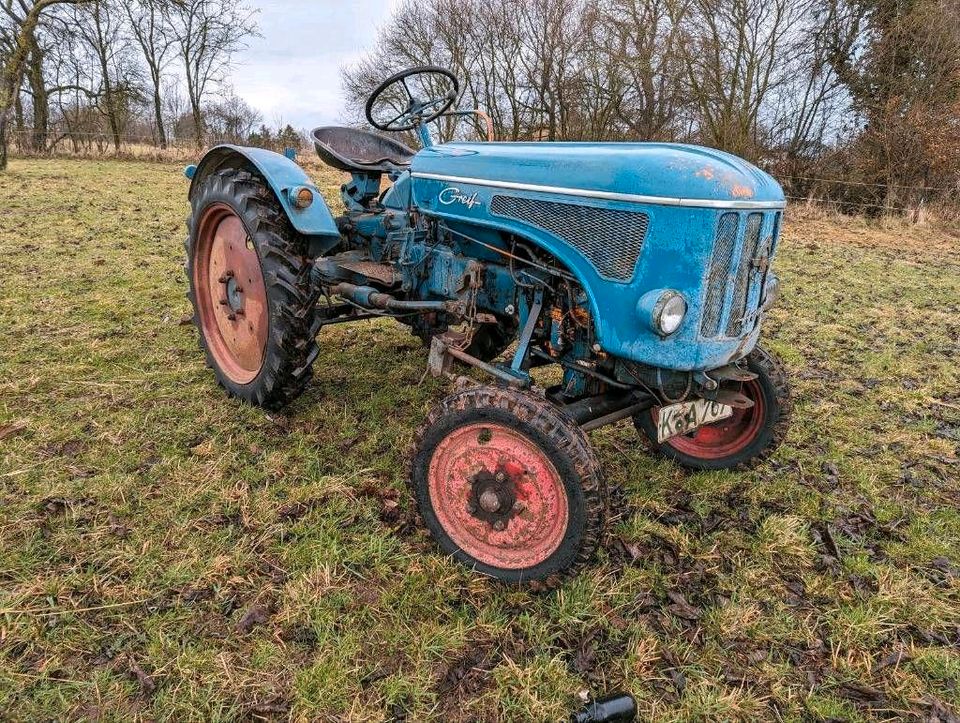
(166, 553)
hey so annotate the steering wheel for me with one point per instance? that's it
(411, 97)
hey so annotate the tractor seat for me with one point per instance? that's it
(352, 149)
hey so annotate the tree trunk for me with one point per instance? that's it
(158, 115)
(20, 124)
(41, 102)
(197, 120)
(3, 141)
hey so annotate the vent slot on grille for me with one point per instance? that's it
(719, 273)
(741, 291)
(610, 239)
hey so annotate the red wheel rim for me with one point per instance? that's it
(230, 293)
(728, 436)
(536, 522)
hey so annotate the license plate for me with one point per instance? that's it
(685, 417)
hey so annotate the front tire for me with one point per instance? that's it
(250, 288)
(745, 439)
(509, 486)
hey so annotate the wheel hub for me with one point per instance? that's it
(232, 292)
(493, 498)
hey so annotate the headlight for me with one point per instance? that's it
(669, 312)
(663, 310)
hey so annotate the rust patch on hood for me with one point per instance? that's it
(730, 182)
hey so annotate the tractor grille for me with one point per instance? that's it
(719, 272)
(610, 239)
(730, 278)
(741, 291)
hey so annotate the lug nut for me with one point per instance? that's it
(471, 508)
(501, 477)
(499, 525)
(519, 507)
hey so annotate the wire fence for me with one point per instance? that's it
(99, 144)
(833, 194)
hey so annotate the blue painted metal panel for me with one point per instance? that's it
(283, 175)
(666, 170)
(675, 253)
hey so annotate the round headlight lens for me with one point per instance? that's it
(669, 312)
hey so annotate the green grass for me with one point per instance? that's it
(166, 553)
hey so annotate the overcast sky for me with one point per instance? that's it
(292, 72)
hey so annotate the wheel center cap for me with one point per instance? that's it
(234, 299)
(490, 501)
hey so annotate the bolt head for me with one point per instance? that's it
(471, 508)
(597, 348)
(519, 507)
(509, 309)
(501, 477)
(499, 525)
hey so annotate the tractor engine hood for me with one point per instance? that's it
(658, 173)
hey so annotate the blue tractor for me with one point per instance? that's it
(640, 271)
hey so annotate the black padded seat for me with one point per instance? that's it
(353, 149)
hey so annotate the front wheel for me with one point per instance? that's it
(509, 486)
(740, 441)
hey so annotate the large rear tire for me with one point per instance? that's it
(509, 486)
(743, 440)
(250, 288)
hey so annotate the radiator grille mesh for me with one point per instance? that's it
(719, 273)
(741, 291)
(610, 239)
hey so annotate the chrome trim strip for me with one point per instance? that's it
(607, 195)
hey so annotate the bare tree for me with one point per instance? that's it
(20, 21)
(644, 42)
(230, 119)
(100, 27)
(737, 56)
(208, 33)
(151, 27)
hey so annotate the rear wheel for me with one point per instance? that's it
(250, 289)
(509, 486)
(743, 440)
